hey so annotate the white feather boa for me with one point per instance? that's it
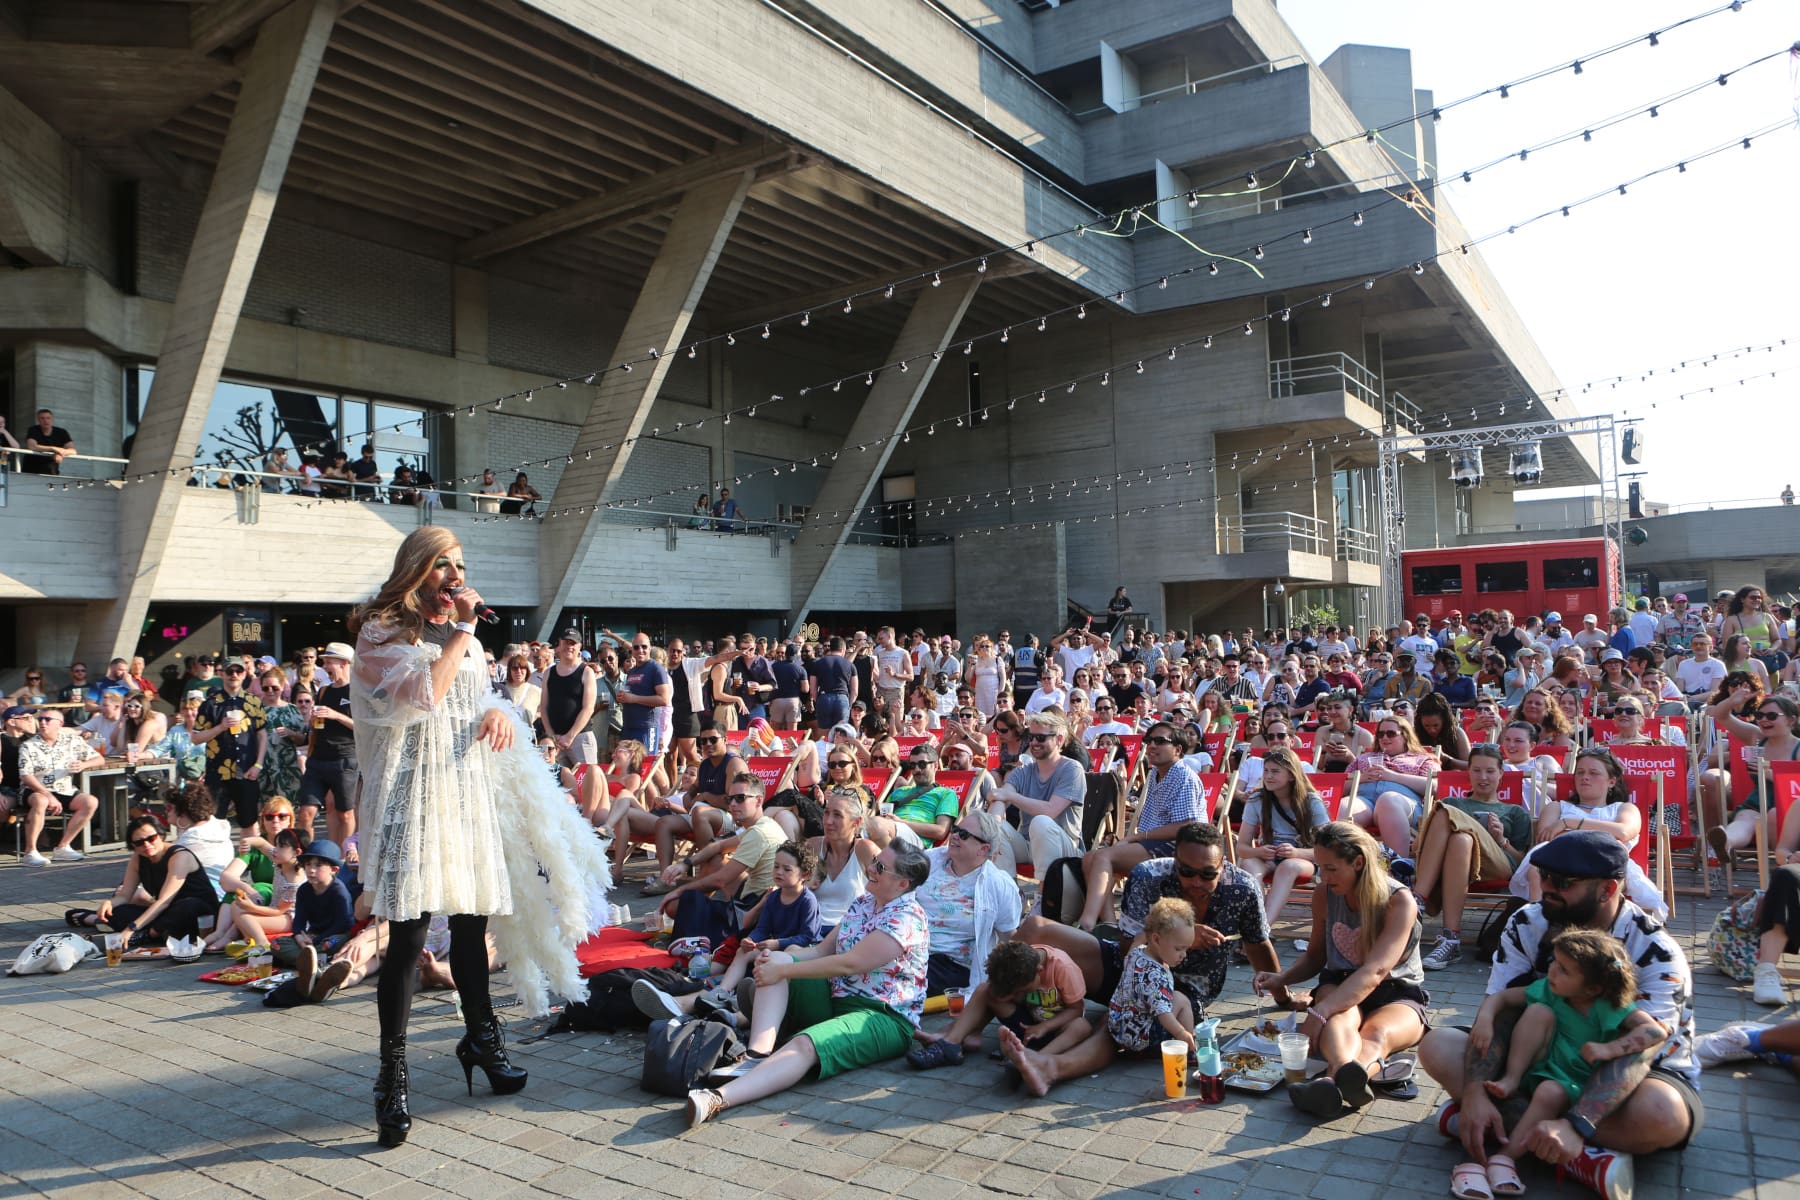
(557, 870)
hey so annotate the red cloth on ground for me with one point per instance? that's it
(614, 947)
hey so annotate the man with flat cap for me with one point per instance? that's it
(1632, 1105)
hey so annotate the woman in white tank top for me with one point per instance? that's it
(844, 857)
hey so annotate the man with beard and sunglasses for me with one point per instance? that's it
(1637, 1104)
(1228, 908)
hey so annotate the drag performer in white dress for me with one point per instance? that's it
(458, 817)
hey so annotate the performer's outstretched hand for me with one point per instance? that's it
(496, 730)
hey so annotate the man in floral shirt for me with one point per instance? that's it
(48, 766)
(231, 727)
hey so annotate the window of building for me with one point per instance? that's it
(1501, 577)
(1562, 573)
(1437, 581)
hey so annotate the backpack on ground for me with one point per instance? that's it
(608, 1007)
(1063, 890)
(1487, 942)
(679, 1055)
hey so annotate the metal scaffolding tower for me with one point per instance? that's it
(1393, 510)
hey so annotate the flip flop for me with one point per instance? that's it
(1468, 1181)
(1396, 1078)
(77, 918)
(1503, 1176)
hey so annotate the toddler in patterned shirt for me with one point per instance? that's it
(1146, 997)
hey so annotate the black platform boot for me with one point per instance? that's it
(392, 1119)
(485, 1047)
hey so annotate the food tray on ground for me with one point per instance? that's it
(1248, 1069)
(1261, 1035)
(144, 954)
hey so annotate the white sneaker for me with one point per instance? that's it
(1769, 989)
(703, 1104)
(1730, 1044)
(655, 1003)
(1444, 952)
(32, 858)
(66, 854)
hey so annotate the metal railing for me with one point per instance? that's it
(1312, 374)
(1401, 412)
(1190, 87)
(1358, 546)
(1248, 533)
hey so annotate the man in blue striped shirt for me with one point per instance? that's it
(1173, 797)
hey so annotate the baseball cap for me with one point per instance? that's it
(1612, 656)
(1643, 602)
(1582, 853)
(1589, 619)
(267, 660)
(1553, 617)
(16, 711)
(569, 635)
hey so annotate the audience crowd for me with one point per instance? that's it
(846, 823)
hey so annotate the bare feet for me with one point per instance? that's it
(1501, 1089)
(1031, 1066)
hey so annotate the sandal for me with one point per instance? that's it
(77, 918)
(1503, 1176)
(1469, 1181)
(941, 1053)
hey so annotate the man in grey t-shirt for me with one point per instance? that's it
(1047, 790)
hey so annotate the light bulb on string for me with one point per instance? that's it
(1140, 366)
(1206, 342)
(1306, 237)
(765, 333)
(1325, 301)
(1258, 252)
(1357, 220)
(692, 351)
(805, 319)
(1310, 161)
(888, 292)
(937, 280)
(981, 267)
(1043, 323)
(1162, 284)
(1105, 378)
(1006, 334)
(1247, 329)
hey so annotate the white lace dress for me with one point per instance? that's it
(449, 826)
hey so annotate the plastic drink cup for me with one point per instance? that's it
(318, 722)
(264, 965)
(115, 949)
(1293, 1056)
(956, 997)
(1174, 1063)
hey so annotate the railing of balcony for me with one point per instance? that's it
(1358, 546)
(1311, 374)
(1191, 87)
(1251, 532)
(1401, 412)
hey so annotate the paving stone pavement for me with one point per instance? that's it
(139, 1081)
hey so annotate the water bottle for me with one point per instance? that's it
(700, 966)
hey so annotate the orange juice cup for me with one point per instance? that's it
(1174, 1062)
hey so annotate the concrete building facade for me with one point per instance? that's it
(237, 224)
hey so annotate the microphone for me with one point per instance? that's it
(484, 614)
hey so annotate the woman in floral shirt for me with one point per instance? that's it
(854, 999)
(287, 732)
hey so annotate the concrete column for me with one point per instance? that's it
(622, 399)
(278, 82)
(890, 405)
(1730, 574)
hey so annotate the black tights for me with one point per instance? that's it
(399, 978)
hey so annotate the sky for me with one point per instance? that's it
(1682, 266)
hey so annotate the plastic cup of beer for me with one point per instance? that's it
(318, 722)
(1174, 1063)
(263, 964)
(1293, 1056)
(956, 997)
(115, 949)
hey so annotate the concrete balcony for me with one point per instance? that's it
(258, 548)
(1294, 547)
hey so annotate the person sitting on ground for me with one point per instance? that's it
(1580, 1014)
(260, 920)
(362, 955)
(1633, 1105)
(785, 917)
(164, 894)
(1275, 836)
(843, 855)
(852, 1000)
(1371, 1001)
(1392, 782)
(1478, 838)
(1145, 1010)
(1228, 906)
(49, 765)
(924, 810)
(969, 902)
(250, 877)
(323, 912)
(1172, 798)
(1035, 991)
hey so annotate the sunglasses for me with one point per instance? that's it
(1562, 883)
(1041, 737)
(1268, 737)
(271, 687)
(707, 741)
(877, 869)
(1196, 873)
(34, 679)
(962, 834)
(276, 815)
(136, 843)
(839, 762)
(1387, 733)
(737, 797)
(1158, 740)
(1770, 716)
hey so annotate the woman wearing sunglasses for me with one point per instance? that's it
(1772, 732)
(141, 728)
(288, 731)
(33, 692)
(165, 892)
(1393, 779)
